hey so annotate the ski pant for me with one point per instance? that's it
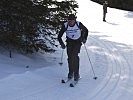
(73, 49)
(104, 15)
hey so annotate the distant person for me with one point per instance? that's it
(76, 34)
(105, 5)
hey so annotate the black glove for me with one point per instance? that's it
(63, 46)
(84, 41)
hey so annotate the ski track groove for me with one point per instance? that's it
(125, 66)
(119, 71)
(108, 75)
(99, 92)
(126, 70)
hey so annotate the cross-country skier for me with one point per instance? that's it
(105, 5)
(76, 34)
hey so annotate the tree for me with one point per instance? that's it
(31, 25)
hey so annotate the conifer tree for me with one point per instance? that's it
(31, 25)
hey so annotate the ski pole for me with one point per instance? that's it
(61, 62)
(90, 63)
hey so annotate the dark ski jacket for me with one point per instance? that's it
(105, 5)
(84, 33)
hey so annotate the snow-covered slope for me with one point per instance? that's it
(110, 48)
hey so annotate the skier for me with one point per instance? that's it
(76, 34)
(105, 4)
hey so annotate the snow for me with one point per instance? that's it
(110, 49)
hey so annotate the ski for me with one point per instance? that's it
(65, 80)
(73, 83)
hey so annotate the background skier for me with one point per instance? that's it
(105, 4)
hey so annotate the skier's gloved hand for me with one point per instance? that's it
(84, 41)
(63, 46)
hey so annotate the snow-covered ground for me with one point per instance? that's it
(110, 48)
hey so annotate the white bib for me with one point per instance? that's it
(73, 32)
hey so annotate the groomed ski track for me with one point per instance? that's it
(113, 72)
